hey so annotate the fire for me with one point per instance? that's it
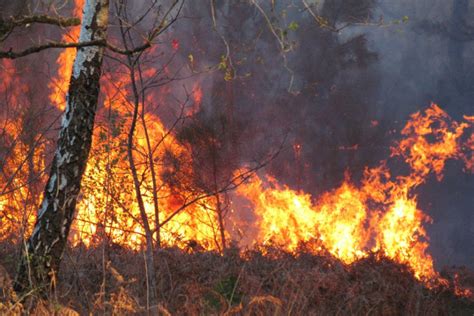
(425, 156)
(196, 96)
(106, 202)
(22, 154)
(378, 214)
(381, 215)
(197, 93)
(175, 44)
(400, 236)
(285, 214)
(60, 84)
(108, 208)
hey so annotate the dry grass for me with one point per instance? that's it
(110, 280)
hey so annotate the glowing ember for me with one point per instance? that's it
(197, 93)
(175, 44)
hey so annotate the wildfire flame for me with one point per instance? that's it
(22, 153)
(380, 214)
(108, 208)
(60, 83)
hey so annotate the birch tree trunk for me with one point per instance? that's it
(42, 253)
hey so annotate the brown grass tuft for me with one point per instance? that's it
(111, 280)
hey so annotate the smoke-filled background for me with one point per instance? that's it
(339, 97)
(331, 83)
(431, 59)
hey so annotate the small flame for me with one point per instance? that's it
(197, 94)
(175, 44)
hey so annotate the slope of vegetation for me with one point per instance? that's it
(266, 281)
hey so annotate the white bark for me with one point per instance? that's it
(46, 244)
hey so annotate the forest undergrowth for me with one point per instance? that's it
(110, 280)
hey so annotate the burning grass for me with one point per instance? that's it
(261, 281)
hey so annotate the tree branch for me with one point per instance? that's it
(43, 19)
(36, 49)
(8, 25)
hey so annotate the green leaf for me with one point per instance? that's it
(223, 63)
(293, 26)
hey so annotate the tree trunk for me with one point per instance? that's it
(152, 291)
(220, 218)
(43, 251)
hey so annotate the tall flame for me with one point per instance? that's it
(60, 83)
(22, 153)
(108, 208)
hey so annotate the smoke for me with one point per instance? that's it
(339, 99)
(429, 58)
(336, 98)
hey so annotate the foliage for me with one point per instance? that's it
(225, 288)
(261, 281)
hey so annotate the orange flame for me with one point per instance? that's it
(379, 216)
(22, 157)
(108, 208)
(59, 85)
